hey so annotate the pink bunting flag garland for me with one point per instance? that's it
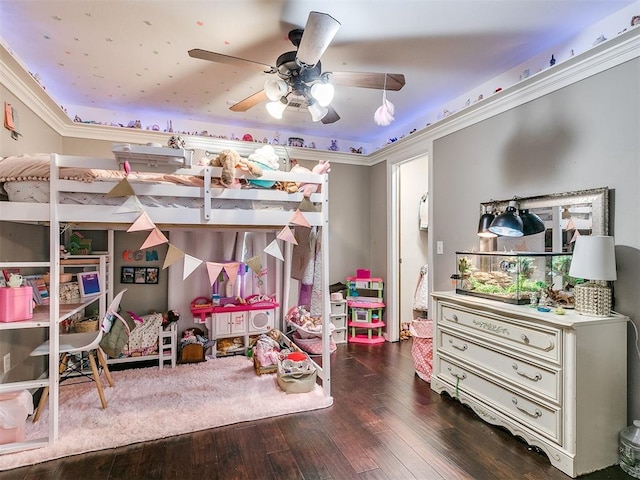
(287, 235)
(143, 222)
(299, 219)
(156, 237)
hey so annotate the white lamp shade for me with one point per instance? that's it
(275, 88)
(594, 258)
(276, 109)
(317, 111)
(323, 93)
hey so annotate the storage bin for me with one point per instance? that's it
(296, 375)
(16, 303)
(422, 348)
(15, 407)
(338, 308)
(339, 321)
(340, 336)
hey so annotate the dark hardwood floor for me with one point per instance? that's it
(385, 423)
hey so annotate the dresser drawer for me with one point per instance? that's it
(542, 381)
(543, 342)
(543, 419)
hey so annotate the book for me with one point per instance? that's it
(39, 287)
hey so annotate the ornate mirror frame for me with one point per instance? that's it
(552, 205)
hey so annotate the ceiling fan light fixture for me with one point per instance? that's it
(275, 88)
(317, 111)
(277, 108)
(323, 93)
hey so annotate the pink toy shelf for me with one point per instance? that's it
(364, 301)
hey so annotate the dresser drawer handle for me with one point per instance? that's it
(536, 377)
(462, 347)
(536, 414)
(524, 338)
(459, 376)
(454, 317)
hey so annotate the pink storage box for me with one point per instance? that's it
(16, 303)
(362, 273)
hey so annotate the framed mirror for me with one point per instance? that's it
(565, 215)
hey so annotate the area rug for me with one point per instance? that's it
(149, 403)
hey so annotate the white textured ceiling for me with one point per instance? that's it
(130, 57)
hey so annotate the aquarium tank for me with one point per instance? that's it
(513, 277)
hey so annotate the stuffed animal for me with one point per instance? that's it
(308, 188)
(229, 160)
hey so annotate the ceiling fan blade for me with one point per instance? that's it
(229, 60)
(331, 116)
(394, 81)
(318, 34)
(249, 102)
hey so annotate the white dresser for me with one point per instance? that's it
(557, 381)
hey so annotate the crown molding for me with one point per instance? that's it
(604, 56)
(616, 51)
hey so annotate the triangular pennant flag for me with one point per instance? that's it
(143, 222)
(576, 234)
(273, 249)
(255, 264)
(130, 205)
(307, 206)
(231, 269)
(299, 219)
(190, 264)
(122, 189)
(156, 237)
(214, 270)
(570, 225)
(287, 235)
(173, 255)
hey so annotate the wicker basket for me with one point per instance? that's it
(86, 325)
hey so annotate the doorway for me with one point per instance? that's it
(409, 180)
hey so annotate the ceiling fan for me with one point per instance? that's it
(300, 78)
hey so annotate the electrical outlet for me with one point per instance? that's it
(7, 362)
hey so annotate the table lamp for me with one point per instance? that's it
(594, 260)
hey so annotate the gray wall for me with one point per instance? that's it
(583, 136)
(35, 135)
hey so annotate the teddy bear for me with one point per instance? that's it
(308, 188)
(229, 160)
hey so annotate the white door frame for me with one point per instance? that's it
(392, 289)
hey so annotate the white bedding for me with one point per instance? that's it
(38, 192)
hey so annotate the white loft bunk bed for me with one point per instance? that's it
(213, 207)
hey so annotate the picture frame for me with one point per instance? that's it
(152, 276)
(126, 275)
(139, 275)
(89, 283)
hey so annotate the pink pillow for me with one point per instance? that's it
(135, 317)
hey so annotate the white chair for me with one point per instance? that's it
(79, 343)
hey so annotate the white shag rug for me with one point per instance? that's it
(149, 403)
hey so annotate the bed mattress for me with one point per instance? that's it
(38, 192)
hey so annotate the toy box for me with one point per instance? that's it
(16, 303)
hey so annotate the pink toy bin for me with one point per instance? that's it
(16, 304)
